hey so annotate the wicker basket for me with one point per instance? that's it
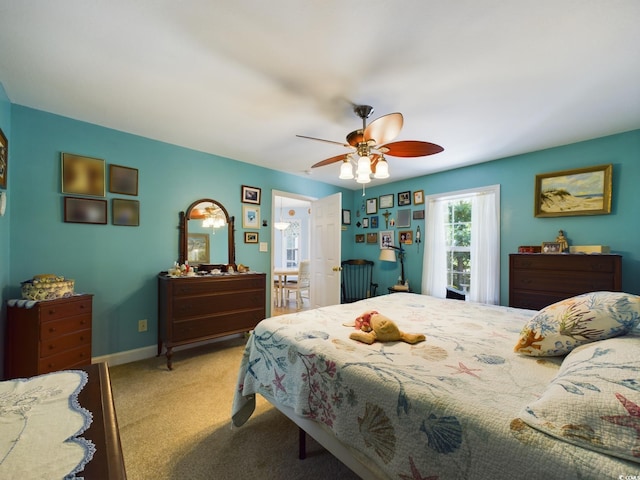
(47, 287)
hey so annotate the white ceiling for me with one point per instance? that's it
(483, 78)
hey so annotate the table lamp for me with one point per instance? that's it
(388, 254)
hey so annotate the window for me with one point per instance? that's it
(291, 244)
(458, 243)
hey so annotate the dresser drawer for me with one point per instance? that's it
(193, 287)
(218, 302)
(56, 328)
(572, 263)
(65, 360)
(561, 281)
(56, 309)
(62, 343)
(213, 325)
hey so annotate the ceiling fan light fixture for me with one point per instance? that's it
(382, 169)
(363, 178)
(364, 166)
(346, 170)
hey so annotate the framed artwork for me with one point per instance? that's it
(551, 247)
(250, 217)
(404, 198)
(374, 221)
(359, 237)
(386, 239)
(418, 214)
(82, 175)
(372, 206)
(406, 237)
(386, 201)
(418, 197)
(85, 210)
(125, 212)
(198, 248)
(372, 237)
(346, 217)
(365, 222)
(4, 159)
(584, 191)
(250, 237)
(251, 194)
(404, 218)
(123, 180)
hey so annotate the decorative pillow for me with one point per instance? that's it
(594, 401)
(559, 328)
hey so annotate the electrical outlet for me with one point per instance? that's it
(142, 325)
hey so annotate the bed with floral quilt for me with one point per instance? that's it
(494, 392)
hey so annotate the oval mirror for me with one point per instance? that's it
(207, 234)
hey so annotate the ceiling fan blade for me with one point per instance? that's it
(331, 160)
(411, 148)
(384, 129)
(323, 140)
(355, 137)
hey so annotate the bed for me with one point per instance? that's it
(461, 404)
(60, 425)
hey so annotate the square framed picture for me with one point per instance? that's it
(251, 194)
(418, 197)
(85, 210)
(372, 237)
(4, 159)
(365, 222)
(251, 237)
(359, 237)
(374, 221)
(418, 214)
(123, 180)
(386, 239)
(404, 218)
(372, 206)
(346, 217)
(386, 201)
(404, 198)
(125, 212)
(83, 175)
(406, 237)
(198, 248)
(250, 217)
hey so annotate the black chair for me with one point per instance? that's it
(357, 280)
(456, 294)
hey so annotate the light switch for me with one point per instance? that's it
(263, 247)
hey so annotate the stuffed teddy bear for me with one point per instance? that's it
(373, 326)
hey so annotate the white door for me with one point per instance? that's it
(326, 236)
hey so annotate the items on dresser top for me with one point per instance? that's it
(47, 287)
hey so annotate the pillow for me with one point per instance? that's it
(559, 328)
(594, 401)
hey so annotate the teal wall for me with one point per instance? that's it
(516, 176)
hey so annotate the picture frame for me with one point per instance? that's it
(83, 175)
(365, 222)
(405, 237)
(582, 191)
(374, 221)
(372, 237)
(250, 217)
(551, 247)
(418, 215)
(372, 206)
(4, 159)
(404, 198)
(251, 194)
(123, 180)
(251, 237)
(346, 217)
(125, 212)
(386, 201)
(387, 239)
(85, 210)
(359, 237)
(403, 219)
(198, 248)
(418, 197)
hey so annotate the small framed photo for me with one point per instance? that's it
(418, 197)
(4, 159)
(250, 237)
(372, 237)
(386, 201)
(374, 221)
(551, 247)
(250, 217)
(82, 175)
(406, 237)
(125, 212)
(359, 237)
(85, 210)
(386, 239)
(372, 206)
(251, 194)
(404, 218)
(404, 198)
(346, 217)
(198, 248)
(123, 180)
(365, 222)
(418, 214)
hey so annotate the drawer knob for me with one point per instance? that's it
(52, 311)
(52, 330)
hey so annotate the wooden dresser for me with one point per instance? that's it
(538, 280)
(49, 335)
(193, 309)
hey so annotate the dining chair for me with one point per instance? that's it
(302, 284)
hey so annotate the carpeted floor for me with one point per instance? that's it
(176, 424)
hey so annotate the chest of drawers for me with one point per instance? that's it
(538, 280)
(47, 336)
(196, 309)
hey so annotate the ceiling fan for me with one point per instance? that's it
(371, 143)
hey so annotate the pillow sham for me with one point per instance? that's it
(594, 401)
(559, 328)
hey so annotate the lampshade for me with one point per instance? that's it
(382, 169)
(387, 255)
(281, 225)
(346, 170)
(364, 166)
(363, 178)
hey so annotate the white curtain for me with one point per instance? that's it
(485, 249)
(434, 270)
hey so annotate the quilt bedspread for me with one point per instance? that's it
(445, 408)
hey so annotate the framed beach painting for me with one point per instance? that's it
(583, 191)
